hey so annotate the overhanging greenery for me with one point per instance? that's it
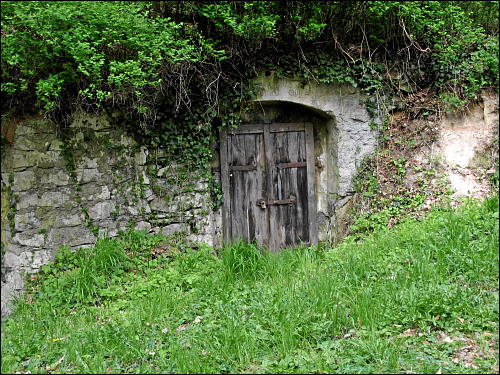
(181, 69)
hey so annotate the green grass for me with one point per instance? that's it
(417, 298)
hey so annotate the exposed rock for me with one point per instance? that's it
(141, 157)
(54, 198)
(92, 192)
(27, 200)
(56, 177)
(101, 210)
(24, 180)
(29, 238)
(47, 159)
(143, 225)
(70, 236)
(159, 204)
(86, 175)
(26, 221)
(172, 228)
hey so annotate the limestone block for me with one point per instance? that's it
(46, 159)
(5, 177)
(108, 232)
(57, 177)
(24, 129)
(95, 192)
(159, 204)
(143, 225)
(133, 211)
(40, 258)
(84, 246)
(101, 210)
(126, 141)
(24, 180)
(70, 236)
(145, 206)
(86, 175)
(26, 221)
(69, 220)
(173, 228)
(29, 238)
(202, 238)
(10, 289)
(163, 171)
(198, 199)
(12, 260)
(104, 194)
(27, 200)
(54, 198)
(42, 125)
(141, 156)
(56, 145)
(149, 194)
(89, 163)
(15, 249)
(28, 143)
(86, 120)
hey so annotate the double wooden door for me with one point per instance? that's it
(267, 173)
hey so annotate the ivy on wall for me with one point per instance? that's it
(173, 73)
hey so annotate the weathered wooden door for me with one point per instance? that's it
(267, 175)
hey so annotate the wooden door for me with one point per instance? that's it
(267, 175)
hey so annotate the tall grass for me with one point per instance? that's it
(347, 309)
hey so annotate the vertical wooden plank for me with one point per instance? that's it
(303, 201)
(294, 218)
(268, 150)
(243, 197)
(282, 219)
(257, 214)
(249, 187)
(226, 202)
(237, 187)
(277, 215)
(313, 231)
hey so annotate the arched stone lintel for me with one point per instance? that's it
(342, 102)
(325, 115)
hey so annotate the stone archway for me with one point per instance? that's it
(344, 134)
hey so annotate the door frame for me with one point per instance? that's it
(266, 128)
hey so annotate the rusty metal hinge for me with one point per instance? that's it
(263, 203)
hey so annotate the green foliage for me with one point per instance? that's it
(77, 277)
(51, 47)
(178, 72)
(250, 19)
(461, 56)
(242, 260)
(12, 199)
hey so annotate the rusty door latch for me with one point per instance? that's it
(263, 203)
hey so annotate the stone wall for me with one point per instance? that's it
(96, 182)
